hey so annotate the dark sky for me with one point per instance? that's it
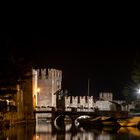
(106, 62)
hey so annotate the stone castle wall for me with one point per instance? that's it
(107, 96)
(87, 102)
(77, 101)
(48, 82)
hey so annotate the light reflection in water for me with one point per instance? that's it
(46, 131)
(20, 132)
(131, 130)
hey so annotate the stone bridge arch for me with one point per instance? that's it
(73, 117)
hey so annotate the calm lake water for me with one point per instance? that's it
(46, 131)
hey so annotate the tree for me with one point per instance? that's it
(128, 94)
(135, 76)
(14, 71)
(129, 91)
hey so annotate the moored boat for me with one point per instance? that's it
(99, 121)
(131, 130)
(130, 121)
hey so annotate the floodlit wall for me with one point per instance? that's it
(67, 101)
(79, 101)
(49, 82)
(107, 96)
(87, 102)
(74, 101)
(55, 79)
(45, 85)
(91, 101)
(105, 105)
(34, 86)
(82, 101)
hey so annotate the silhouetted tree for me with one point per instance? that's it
(135, 76)
(129, 90)
(14, 69)
(128, 93)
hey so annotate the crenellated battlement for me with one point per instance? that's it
(55, 73)
(49, 74)
(49, 82)
(76, 101)
(41, 73)
(85, 102)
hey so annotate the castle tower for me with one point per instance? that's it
(55, 77)
(46, 84)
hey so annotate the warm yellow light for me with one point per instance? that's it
(38, 89)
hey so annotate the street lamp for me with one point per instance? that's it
(38, 95)
(138, 92)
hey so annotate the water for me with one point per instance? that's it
(46, 131)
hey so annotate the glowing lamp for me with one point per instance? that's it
(38, 89)
(138, 90)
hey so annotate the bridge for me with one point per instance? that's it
(74, 113)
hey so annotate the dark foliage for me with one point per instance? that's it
(14, 70)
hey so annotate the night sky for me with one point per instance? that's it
(106, 62)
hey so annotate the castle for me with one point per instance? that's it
(47, 89)
(43, 88)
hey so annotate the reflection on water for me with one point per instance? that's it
(22, 132)
(130, 130)
(47, 131)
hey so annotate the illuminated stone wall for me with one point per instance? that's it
(107, 96)
(84, 101)
(48, 82)
(74, 101)
(105, 105)
(55, 79)
(67, 101)
(87, 102)
(44, 96)
(34, 88)
(91, 101)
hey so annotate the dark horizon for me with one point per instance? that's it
(107, 63)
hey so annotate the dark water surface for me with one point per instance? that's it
(46, 131)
